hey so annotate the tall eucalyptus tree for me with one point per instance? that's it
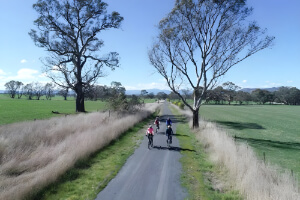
(69, 30)
(200, 40)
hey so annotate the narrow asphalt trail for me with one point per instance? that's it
(150, 174)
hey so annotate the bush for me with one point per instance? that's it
(122, 103)
(179, 104)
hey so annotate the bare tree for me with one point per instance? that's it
(49, 90)
(69, 31)
(38, 90)
(12, 87)
(64, 92)
(200, 40)
(28, 90)
(20, 91)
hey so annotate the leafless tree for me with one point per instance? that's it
(28, 90)
(49, 90)
(69, 31)
(64, 92)
(38, 90)
(200, 40)
(12, 87)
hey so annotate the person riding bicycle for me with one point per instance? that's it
(156, 122)
(150, 134)
(169, 133)
(169, 122)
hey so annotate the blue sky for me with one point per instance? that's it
(278, 66)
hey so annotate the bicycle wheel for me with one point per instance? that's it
(169, 141)
(150, 142)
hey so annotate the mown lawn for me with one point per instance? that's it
(270, 129)
(16, 110)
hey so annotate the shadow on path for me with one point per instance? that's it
(174, 118)
(173, 148)
(271, 143)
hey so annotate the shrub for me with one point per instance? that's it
(180, 105)
(122, 104)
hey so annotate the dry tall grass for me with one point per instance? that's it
(251, 176)
(35, 154)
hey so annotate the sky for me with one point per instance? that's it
(272, 67)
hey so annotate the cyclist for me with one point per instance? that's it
(156, 122)
(169, 133)
(150, 134)
(169, 122)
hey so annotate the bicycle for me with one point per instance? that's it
(157, 128)
(156, 122)
(169, 141)
(150, 142)
(169, 133)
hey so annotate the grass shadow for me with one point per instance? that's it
(180, 135)
(240, 125)
(271, 143)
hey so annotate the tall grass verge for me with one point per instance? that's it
(202, 178)
(255, 179)
(35, 154)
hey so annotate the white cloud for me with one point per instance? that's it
(244, 81)
(270, 84)
(290, 81)
(26, 73)
(55, 67)
(43, 75)
(23, 61)
(2, 72)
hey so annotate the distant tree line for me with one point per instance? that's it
(115, 93)
(229, 92)
(34, 90)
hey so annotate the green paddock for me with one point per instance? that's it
(272, 130)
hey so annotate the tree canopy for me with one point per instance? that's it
(69, 30)
(200, 40)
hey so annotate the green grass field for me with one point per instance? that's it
(16, 110)
(273, 130)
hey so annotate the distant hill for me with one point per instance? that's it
(249, 90)
(154, 91)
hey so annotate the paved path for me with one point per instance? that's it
(149, 174)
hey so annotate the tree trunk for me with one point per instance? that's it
(196, 118)
(79, 99)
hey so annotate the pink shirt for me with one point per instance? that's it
(150, 131)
